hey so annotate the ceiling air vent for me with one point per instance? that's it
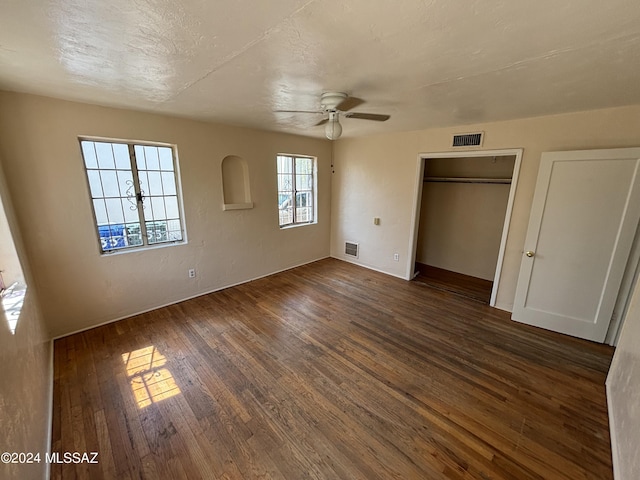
(468, 139)
(351, 249)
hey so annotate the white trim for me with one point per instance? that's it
(507, 219)
(134, 171)
(47, 473)
(413, 232)
(505, 228)
(186, 298)
(348, 260)
(612, 432)
(144, 248)
(315, 187)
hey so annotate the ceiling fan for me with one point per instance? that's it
(335, 104)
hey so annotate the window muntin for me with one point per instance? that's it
(134, 192)
(296, 179)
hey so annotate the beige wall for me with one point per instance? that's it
(376, 177)
(623, 396)
(26, 363)
(460, 227)
(80, 288)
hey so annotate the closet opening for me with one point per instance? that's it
(463, 210)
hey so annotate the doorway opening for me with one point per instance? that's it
(462, 216)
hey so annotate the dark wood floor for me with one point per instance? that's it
(464, 285)
(330, 371)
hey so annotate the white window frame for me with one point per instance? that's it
(295, 192)
(137, 197)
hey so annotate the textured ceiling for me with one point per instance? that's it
(426, 63)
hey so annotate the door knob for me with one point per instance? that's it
(530, 253)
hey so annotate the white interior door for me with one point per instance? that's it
(583, 220)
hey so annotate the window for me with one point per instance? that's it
(135, 194)
(296, 190)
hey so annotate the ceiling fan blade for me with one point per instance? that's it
(368, 116)
(321, 122)
(349, 103)
(297, 111)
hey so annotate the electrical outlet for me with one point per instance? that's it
(396, 257)
(192, 273)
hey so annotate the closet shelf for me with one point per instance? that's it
(467, 180)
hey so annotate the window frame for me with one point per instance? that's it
(134, 170)
(295, 192)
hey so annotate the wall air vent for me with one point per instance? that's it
(468, 139)
(351, 249)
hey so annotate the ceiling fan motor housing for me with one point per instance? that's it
(331, 100)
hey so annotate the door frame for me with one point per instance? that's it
(422, 157)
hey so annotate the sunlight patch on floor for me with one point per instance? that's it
(149, 382)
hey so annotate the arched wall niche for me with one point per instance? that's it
(236, 187)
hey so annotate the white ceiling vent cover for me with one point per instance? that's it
(351, 249)
(468, 139)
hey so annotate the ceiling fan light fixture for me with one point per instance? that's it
(333, 129)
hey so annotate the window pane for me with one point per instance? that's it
(89, 154)
(285, 183)
(303, 199)
(304, 182)
(133, 234)
(110, 183)
(121, 153)
(169, 183)
(285, 164)
(174, 230)
(144, 182)
(140, 161)
(101, 212)
(130, 210)
(157, 205)
(156, 232)
(146, 208)
(166, 158)
(151, 154)
(155, 183)
(303, 214)
(286, 216)
(95, 185)
(105, 155)
(114, 210)
(304, 165)
(125, 183)
(171, 204)
(112, 236)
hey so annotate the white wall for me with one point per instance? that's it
(623, 396)
(78, 287)
(25, 388)
(376, 177)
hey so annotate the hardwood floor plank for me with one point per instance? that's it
(457, 283)
(331, 371)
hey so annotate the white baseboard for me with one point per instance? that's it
(369, 267)
(612, 434)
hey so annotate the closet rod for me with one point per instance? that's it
(467, 180)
